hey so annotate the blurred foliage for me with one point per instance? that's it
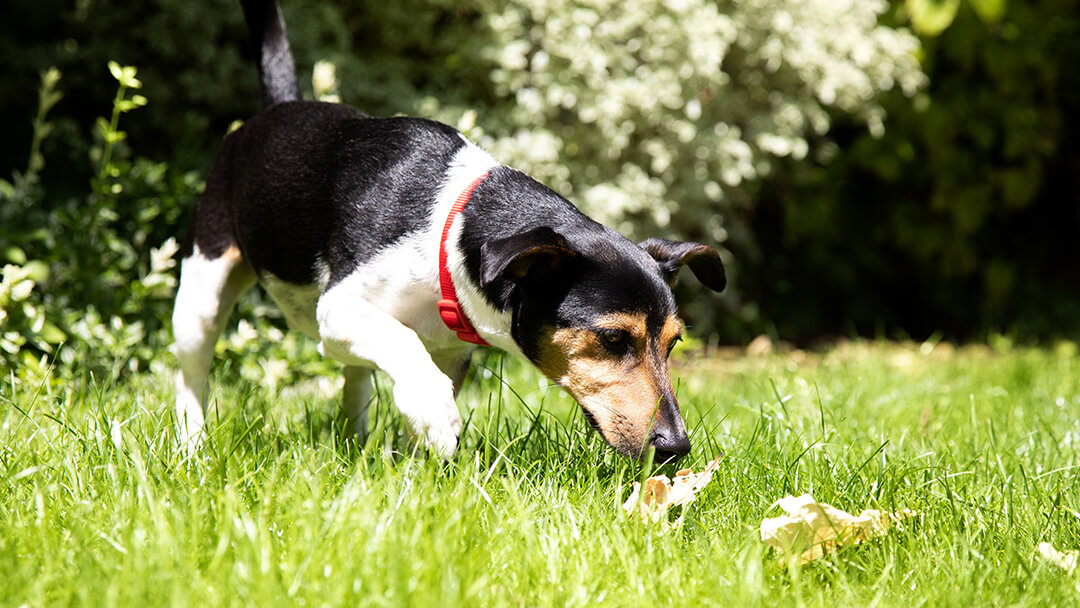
(931, 17)
(88, 280)
(785, 133)
(189, 58)
(961, 218)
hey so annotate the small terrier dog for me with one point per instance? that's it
(399, 245)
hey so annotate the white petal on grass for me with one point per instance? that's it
(815, 528)
(662, 492)
(1066, 560)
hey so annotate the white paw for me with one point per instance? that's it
(431, 412)
(443, 438)
(190, 419)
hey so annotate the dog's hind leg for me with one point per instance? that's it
(208, 290)
(355, 399)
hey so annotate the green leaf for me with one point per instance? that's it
(36, 270)
(990, 11)
(15, 255)
(125, 75)
(931, 17)
(49, 99)
(50, 77)
(102, 127)
(129, 77)
(51, 333)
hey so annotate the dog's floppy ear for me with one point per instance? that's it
(703, 260)
(515, 257)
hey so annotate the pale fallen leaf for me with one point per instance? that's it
(1066, 560)
(661, 492)
(815, 528)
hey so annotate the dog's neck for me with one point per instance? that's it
(449, 308)
(492, 324)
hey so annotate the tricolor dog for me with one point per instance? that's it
(400, 246)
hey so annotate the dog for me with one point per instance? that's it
(399, 245)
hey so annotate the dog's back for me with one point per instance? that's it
(315, 187)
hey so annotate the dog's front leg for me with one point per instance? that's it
(355, 332)
(455, 364)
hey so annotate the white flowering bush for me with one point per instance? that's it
(21, 319)
(656, 117)
(663, 111)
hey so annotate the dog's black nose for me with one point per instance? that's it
(670, 447)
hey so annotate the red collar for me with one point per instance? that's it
(449, 309)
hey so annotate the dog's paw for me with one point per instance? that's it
(442, 439)
(190, 420)
(431, 412)
(190, 435)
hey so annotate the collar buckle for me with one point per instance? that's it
(451, 314)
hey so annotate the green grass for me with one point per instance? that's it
(98, 507)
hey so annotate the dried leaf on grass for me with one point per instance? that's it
(815, 528)
(1066, 560)
(661, 492)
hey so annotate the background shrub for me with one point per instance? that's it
(860, 181)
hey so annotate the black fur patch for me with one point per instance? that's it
(306, 182)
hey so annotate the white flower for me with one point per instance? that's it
(274, 370)
(161, 259)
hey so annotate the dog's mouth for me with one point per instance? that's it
(622, 444)
(591, 420)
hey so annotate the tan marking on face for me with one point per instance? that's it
(620, 392)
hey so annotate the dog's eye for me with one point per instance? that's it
(671, 346)
(615, 340)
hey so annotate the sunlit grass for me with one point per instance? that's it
(97, 506)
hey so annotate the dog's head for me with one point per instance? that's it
(595, 313)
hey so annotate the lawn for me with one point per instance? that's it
(98, 507)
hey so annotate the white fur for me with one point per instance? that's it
(355, 398)
(358, 333)
(493, 325)
(402, 280)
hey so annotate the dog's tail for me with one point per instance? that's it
(277, 71)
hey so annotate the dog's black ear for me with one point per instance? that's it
(702, 259)
(515, 257)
